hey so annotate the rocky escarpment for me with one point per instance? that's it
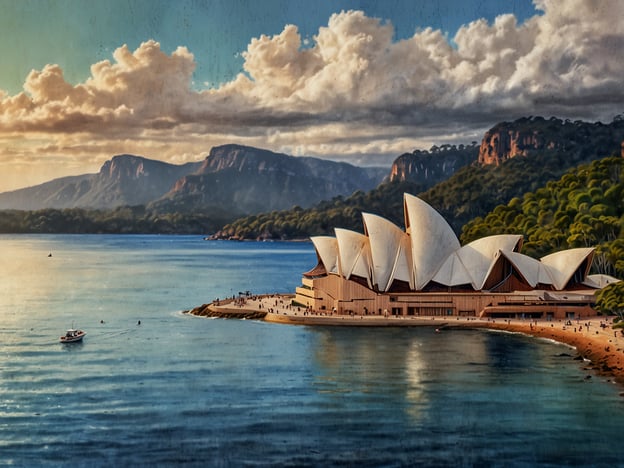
(246, 180)
(233, 179)
(500, 144)
(430, 167)
(536, 135)
(123, 180)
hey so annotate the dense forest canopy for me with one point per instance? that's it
(123, 220)
(297, 223)
(585, 208)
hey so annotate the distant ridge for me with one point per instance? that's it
(433, 166)
(528, 136)
(244, 179)
(530, 152)
(233, 178)
(124, 180)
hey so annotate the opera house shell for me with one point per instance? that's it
(424, 271)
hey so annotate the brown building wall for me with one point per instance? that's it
(334, 294)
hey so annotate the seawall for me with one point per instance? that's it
(225, 312)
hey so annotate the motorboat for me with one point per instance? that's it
(73, 336)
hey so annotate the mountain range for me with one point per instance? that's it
(233, 178)
(462, 182)
(243, 179)
(514, 158)
(124, 180)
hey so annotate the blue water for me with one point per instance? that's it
(208, 392)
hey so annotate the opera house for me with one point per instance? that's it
(424, 271)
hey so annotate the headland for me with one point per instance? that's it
(600, 348)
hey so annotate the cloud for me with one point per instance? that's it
(553, 64)
(139, 88)
(352, 89)
(355, 72)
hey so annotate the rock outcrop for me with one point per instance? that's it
(246, 180)
(123, 180)
(534, 135)
(501, 144)
(233, 179)
(433, 166)
(207, 310)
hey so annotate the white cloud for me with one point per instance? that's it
(350, 90)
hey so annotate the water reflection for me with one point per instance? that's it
(413, 366)
(507, 356)
(27, 277)
(356, 360)
(414, 370)
(376, 365)
(71, 347)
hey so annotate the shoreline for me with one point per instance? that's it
(593, 338)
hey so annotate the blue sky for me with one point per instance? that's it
(356, 81)
(78, 33)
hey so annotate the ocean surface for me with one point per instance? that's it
(181, 390)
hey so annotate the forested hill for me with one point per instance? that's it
(515, 158)
(529, 153)
(297, 223)
(519, 157)
(585, 208)
(575, 141)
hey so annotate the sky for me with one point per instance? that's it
(356, 81)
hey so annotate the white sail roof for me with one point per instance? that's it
(432, 239)
(472, 263)
(599, 281)
(479, 255)
(429, 250)
(354, 254)
(562, 265)
(532, 270)
(390, 251)
(453, 272)
(327, 249)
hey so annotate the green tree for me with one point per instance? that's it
(610, 299)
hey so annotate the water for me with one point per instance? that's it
(185, 390)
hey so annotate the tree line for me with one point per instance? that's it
(346, 212)
(122, 220)
(582, 209)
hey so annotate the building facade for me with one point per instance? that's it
(424, 271)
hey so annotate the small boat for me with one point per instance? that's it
(73, 336)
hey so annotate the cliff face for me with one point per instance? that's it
(124, 180)
(233, 178)
(536, 135)
(132, 180)
(501, 144)
(431, 167)
(247, 180)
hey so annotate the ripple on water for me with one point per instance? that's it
(186, 390)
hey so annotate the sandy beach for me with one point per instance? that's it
(600, 346)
